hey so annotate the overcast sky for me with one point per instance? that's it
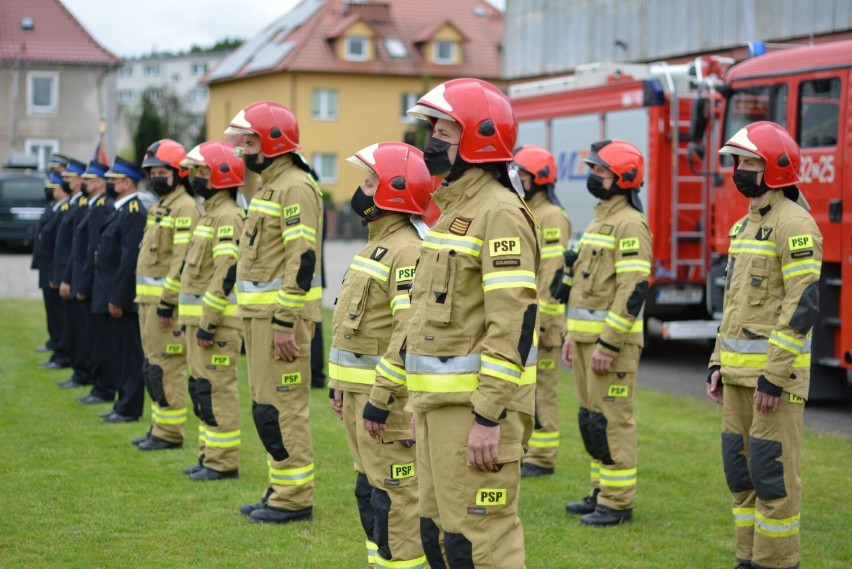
(136, 27)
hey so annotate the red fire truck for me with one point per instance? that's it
(679, 115)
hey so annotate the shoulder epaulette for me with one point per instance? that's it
(84, 201)
(64, 207)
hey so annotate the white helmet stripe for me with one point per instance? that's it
(194, 158)
(741, 139)
(368, 154)
(435, 97)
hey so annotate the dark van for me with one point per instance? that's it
(21, 205)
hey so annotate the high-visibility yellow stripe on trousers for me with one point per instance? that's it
(298, 476)
(223, 439)
(618, 478)
(776, 527)
(167, 416)
(419, 563)
(544, 439)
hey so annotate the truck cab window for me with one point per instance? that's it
(752, 104)
(818, 110)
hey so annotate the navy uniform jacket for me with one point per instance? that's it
(64, 241)
(115, 259)
(47, 245)
(86, 237)
(45, 215)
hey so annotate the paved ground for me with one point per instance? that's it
(677, 369)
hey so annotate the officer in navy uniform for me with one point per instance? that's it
(55, 166)
(63, 271)
(47, 244)
(92, 328)
(115, 288)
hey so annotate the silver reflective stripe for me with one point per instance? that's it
(351, 359)
(532, 358)
(154, 281)
(316, 281)
(804, 348)
(433, 364)
(213, 437)
(587, 314)
(186, 298)
(744, 517)
(499, 368)
(744, 346)
(764, 524)
(260, 286)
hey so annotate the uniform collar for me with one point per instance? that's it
(124, 200)
(611, 206)
(216, 200)
(172, 196)
(93, 199)
(58, 204)
(775, 197)
(75, 198)
(280, 164)
(386, 224)
(539, 198)
(465, 187)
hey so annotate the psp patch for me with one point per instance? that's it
(618, 391)
(800, 242)
(546, 364)
(491, 497)
(220, 360)
(796, 400)
(400, 471)
(504, 246)
(291, 378)
(405, 274)
(225, 232)
(183, 223)
(552, 234)
(628, 244)
(292, 210)
(174, 349)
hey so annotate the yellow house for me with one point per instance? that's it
(350, 69)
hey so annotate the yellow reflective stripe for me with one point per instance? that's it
(149, 290)
(364, 376)
(595, 471)
(500, 369)
(798, 268)
(618, 322)
(370, 267)
(633, 266)
(229, 249)
(437, 240)
(552, 251)
(743, 517)
(593, 327)
(753, 246)
(256, 298)
(171, 285)
(418, 563)
(786, 342)
(392, 372)
(550, 308)
(290, 300)
(226, 439)
(215, 302)
(291, 476)
(372, 550)
(204, 231)
(151, 219)
(167, 222)
(167, 416)
(771, 527)
(264, 206)
(299, 232)
(758, 361)
(618, 478)
(400, 302)
(180, 238)
(442, 383)
(508, 279)
(202, 433)
(544, 439)
(197, 310)
(605, 241)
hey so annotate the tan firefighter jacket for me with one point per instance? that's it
(167, 234)
(279, 273)
(208, 296)
(771, 297)
(472, 336)
(610, 278)
(554, 232)
(374, 304)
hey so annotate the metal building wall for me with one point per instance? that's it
(542, 37)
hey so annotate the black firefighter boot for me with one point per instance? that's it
(247, 509)
(604, 516)
(272, 515)
(584, 506)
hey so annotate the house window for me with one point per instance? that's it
(42, 93)
(199, 69)
(155, 96)
(198, 95)
(408, 101)
(125, 72)
(175, 77)
(445, 52)
(152, 70)
(126, 96)
(326, 167)
(356, 48)
(324, 104)
(42, 149)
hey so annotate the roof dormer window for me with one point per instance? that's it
(444, 52)
(357, 48)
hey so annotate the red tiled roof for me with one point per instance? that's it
(57, 36)
(480, 23)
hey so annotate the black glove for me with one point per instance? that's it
(710, 371)
(767, 387)
(203, 334)
(373, 413)
(165, 309)
(571, 257)
(560, 287)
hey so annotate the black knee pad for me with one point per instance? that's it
(767, 470)
(154, 384)
(204, 394)
(597, 436)
(459, 551)
(266, 423)
(430, 538)
(193, 396)
(381, 503)
(585, 433)
(363, 492)
(735, 463)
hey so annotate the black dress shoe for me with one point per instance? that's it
(156, 443)
(118, 418)
(92, 400)
(103, 414)
(604, 516)
(529, 469)
(584, 506)
(42, 349)
(209, 474)
(70, 383)
(52, 365)
(247, 509)
(272, 515)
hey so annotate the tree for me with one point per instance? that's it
(149, 129)
(227, 44)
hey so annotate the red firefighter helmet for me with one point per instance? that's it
(405, 184)
(538, 162)
(489, 127)
(167, 153)
(227, 170)
(772, 143)
(274, 123)
(622, 159)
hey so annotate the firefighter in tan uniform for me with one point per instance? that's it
(537, 170)
(279, 294)
(372, 307)
(470, 351)
(167, 233)
(760, 368)
(208, 308)
(609, 275)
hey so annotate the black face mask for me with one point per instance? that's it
(48, 194)
(66, 187)
(594, 184)
(254, 164)
(160, 185)
(746, 183)
(363, 205)
(84, 188)
(436, 158)
(110, 190)
(201, 187)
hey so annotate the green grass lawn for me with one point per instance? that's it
(75, 493)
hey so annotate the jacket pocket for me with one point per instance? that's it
(357, 305)
(758, 281)
(441, 288)
(195, 256)
(252, 238)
